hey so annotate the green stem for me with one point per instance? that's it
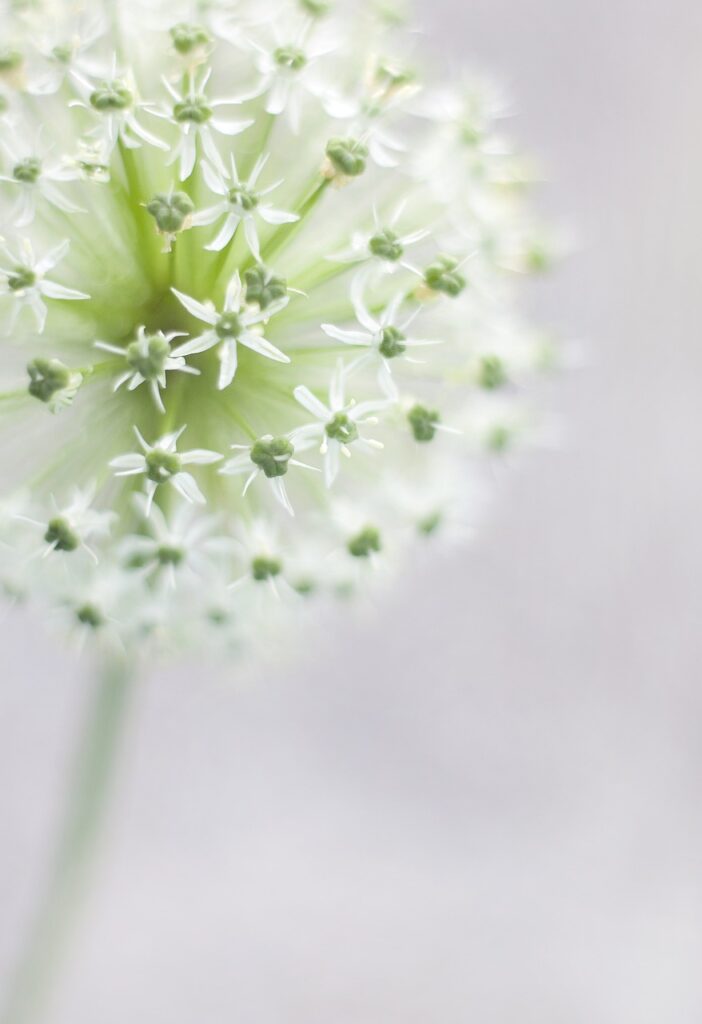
(72, 868)
(287, 232)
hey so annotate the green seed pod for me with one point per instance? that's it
(264, 288)
(264, 568)
(170, 211)
(365, 543)
(341, 428)
(443, 276)
(272, 455)
(60, 535)
(423, 423)
(347, 156)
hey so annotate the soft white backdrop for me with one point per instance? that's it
(482, 802)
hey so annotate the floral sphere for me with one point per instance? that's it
(257, 284)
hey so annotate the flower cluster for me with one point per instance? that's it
(257, 286)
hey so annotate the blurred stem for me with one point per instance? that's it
(56, 916)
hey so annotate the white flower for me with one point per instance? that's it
(383, 245)
(70, 527)
(193, 113)
(290, 70)
(183, 544)
(34, 178)
(385, 187)
(162, 463)
(113, 100)
(381, 335)
(24, 279)
(229, 328)
(149, 359)
(271, 456)
(241, 202)
(337, 423)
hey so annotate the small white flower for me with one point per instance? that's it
(193, 113)
(290, 70)
(113, 100)
(66, 50)
(383, 245)
(162, 463)
(229, 328)
(149, 359)
(184, 545)
(271, 456)
(381, 335)
(70, 527)
(337, 423)
(241, 202)
(34, 177)
(24, 279)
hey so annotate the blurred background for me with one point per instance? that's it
(481, 803)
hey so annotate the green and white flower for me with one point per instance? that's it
(333, 270)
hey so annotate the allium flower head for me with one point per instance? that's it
(256, 281)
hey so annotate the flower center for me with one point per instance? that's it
(62, 54)
(444, 276)
(193, 109)
(391, 343)
(148, 357)
(245, 198)
(341, 428)
(265, 568)
(492, 373)
(27, 171)
(365, 543)
(386, 245)
(348, 156)
(60, 535)
(89, 615)
(169, 554)
(423, 422)
(228, 326)
(111, 96)
(272, 455)
(21, 278)
(290, 57)
(160, 465)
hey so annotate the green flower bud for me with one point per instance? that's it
(47, 377)
(27, 171)
(228, 326)
(341, 428)
(263, 288)
(21, 278)
(272, 455)
(60, 535)
(161, 465)
(152, 364)
(492, 373)
(386, 245)
(194, 109)
(443, 276)
(290, 57)
(347, 156)
(89, 615)
(365, 543)
(170, 211)
(423, 422)
(391, 344)
(264, 568)
(187, 38)
(111, 96)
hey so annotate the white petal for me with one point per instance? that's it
(305, 397)
(228, 363)
(197, 309)
(199, 457)
(263, 347)
(348, 337)
(57, 291)
(225, 235)
(273, 216)
(185, 484)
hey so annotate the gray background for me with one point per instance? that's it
(480, 803)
